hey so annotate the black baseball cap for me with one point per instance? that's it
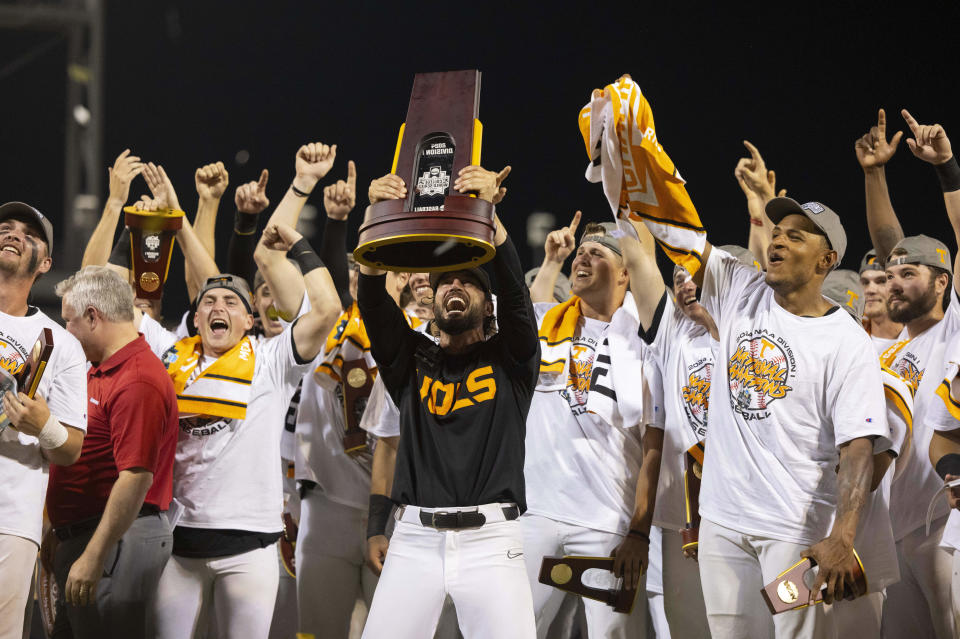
(32, 216)
(478, 273)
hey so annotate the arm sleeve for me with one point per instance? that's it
(66, 394)
(391, 339)
(243, 241)
(515, 316)
(138, 417)
(120, 255)
(724, 281)
(859, 377)
(333, 252)
(654, 414)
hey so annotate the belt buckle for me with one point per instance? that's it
(441, 513)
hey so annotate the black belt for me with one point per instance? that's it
(458, 519)
(84, 526)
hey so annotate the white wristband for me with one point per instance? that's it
(53, 434)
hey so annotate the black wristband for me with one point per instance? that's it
(305, 257)
(298, 192)
(121, 250)
(245, 223)
(379, 515)
(949, 174)
(639, 533)
(948, 465)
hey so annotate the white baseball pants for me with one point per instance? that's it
(331, 572)
(858, 618)
(18, 556)
(682, 592)
(480, 568)
(240, 589)
(543, 536)
(734, 567)
(919, 604)
(955, 589)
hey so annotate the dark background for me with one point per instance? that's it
(194, 82)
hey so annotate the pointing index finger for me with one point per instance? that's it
(911, 122)
(352, 175)
(575, 222)
(754, 153)
(264, 176)
(882, 124)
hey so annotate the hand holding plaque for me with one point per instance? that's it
(566, 573)
(797, 587)
(29, 415)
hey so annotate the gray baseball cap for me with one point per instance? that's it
(822, 216)
(843, 287)
(230, 282)
(744, 256)
(28, 214)
(870, 262)
(606, 238)
(561, 289)
(921, 249)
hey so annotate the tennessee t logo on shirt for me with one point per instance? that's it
(441, 398)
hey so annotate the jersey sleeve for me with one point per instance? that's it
(724, 281)
(159, 338)
(654, 413)
(943, 412)
(66, 391)
(855, 389)
(381, 417)
(280, 357)
(138, 415)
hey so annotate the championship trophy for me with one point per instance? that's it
(566, 573)
(791, 590)
(357, 384)
(151, 243)
(433, 228)
(27, 378)
(692, 473)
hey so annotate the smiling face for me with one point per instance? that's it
(596, 270)
(23, 251)
(460, 303)
(685, 292)
(221, 320)
(913, 290)
(263, 304)
(797, 254)
(875, 293)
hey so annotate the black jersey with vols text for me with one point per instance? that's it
(462, 416)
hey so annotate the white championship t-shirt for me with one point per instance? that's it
(578, 468)
(786, 393)
(914, 489)
(882, 343)
(225, 471)
(943, 414)
(23, 470)
(684, 354)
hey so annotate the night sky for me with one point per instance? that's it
(194, 82)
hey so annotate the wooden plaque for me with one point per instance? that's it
(566, 573)
(434, 228)
(152, 234)
(357, 381)
(789, 591)
(288, 545)
(29, 378)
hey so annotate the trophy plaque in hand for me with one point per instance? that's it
(357, 384)
(566, 573)
(27, 378)
(692, 473)
(151, 243)
(791, 589)
(433, 228)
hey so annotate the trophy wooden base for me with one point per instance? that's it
(566, 573)
(789, 591)
(458, 237)
(355, 442)
(690, 537)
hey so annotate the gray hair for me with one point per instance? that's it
(101, 288)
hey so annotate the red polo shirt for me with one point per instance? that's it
(132, 422)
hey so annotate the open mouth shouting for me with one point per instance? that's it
(219, 326)
(455, 304)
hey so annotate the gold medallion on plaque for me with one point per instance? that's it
(149, 281)
(697, 470)
(561, 574)
(787, 591)
(357, 377)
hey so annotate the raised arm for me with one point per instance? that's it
(251, 200)
(646, 282)
(338, 200)
(199, 265)
(931, 144)
(557, 247)
(388, 187)
(211, 182)
(125, 168)
(759, 186)
(287, 285)
(313, 161)
(873, 152)
(311, 329)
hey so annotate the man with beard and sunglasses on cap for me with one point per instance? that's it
(48, 428)
(797, 407)
(585, 451)
(463, 402)
(921, 296)
(876, 318)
